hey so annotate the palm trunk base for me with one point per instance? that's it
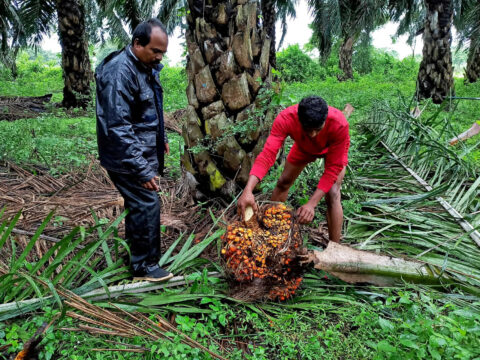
(472, 72)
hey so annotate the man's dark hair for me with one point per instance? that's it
(312, 112)
(143, 31)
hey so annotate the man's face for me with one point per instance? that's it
(152, 53)
(312, 133)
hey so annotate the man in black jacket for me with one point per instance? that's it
(132, 139)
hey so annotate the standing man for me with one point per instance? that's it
(319, 131)
(132, 139)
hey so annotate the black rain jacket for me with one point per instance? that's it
(130, 127)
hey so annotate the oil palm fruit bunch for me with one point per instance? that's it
(260, 255)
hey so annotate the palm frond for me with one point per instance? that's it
(326, 23)
(171, 13)
(63, 263)
(421, 229)
(131, 13)
(38, 17)
(285, 9)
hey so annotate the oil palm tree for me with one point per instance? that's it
(77, 73)
(38, 17)
(467, 23)
(11, 31)
(433, 19)
(344, 20)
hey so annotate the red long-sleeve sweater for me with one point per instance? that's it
(332, 142)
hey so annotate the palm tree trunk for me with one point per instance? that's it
(435, 76)
(269, 20)
(77, 72)
(345, 59)
(228, 61)
(8, 54)
(472, 72)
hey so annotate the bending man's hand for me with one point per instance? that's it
(245, 200)
(305, 214)
(152, 184)
(167, 149)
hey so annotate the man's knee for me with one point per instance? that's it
(334, 195)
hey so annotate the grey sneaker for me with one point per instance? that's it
(154, 273)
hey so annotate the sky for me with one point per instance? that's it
(298, 32)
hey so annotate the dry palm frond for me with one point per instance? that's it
(125, 324)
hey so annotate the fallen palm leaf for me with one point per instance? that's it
(17, 308)
(474, 234)
(128, 324)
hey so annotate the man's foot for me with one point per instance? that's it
(153, 273)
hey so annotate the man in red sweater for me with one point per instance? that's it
(319, 131)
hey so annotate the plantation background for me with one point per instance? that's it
(329, 319)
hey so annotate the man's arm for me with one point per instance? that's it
(263, 163)
(306, 212)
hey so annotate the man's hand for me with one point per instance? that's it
(246, 199)
(152, 184)
(167, 149)
(305, 214)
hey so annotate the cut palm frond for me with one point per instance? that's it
(125, 324)
(398, 217)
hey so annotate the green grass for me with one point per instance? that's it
(36, 77)
(60, 143)
(400, 324)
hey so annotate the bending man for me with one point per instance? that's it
(318, 131)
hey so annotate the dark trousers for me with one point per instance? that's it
(142, 223)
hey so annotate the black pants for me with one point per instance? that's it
(142, 223)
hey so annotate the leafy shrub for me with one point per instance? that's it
(295, 65)
(174, 82)
(36, 77)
